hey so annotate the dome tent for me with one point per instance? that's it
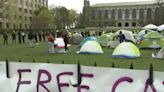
(128, 35)
(91, 38)
(150, 26)
(76, 38)
(153, 35)
(126, 50)
(91, 47)
(104, 39)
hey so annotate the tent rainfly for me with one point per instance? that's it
(150, 26)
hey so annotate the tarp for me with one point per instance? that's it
(42, 77)
(126, 50)
(91, 38)
(59, 43)
(91, 47)
(150, 26)
(161, 27)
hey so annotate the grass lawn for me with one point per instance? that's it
(14, 52)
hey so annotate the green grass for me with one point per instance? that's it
(14, 52)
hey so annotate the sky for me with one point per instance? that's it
(78, 4)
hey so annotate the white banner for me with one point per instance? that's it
(41, 77)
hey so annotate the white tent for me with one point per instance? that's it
(128, 35)
(150, 26)
(126, 50)
(160, 54)
(161, 27)
(91, 47)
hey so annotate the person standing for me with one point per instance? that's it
(31, 37)
(121, 37)
(66, 39)
(13, 37)
(19, 37)
(51, 44)
(23, 36)
(5, 38)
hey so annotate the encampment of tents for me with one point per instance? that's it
(126, 50)
(91, 47)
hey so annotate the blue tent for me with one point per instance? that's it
(91, 38)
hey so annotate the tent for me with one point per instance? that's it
(150, 26)
(161, 27)
(76, 38)
(142, 33)
(91, 47)
(128, 35)
(153, 35)
(91, 38)
(126, 50)
(104, 39)
(159, 55)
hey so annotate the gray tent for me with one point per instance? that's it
(76, 38)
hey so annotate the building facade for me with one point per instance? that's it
(17, 14)
(125, 14)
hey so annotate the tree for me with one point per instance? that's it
(64, 17)
(43, 19)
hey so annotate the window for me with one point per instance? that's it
(1, 15)
(119, 24)
(113, 14)
(120, 14)
(99, 13)
(127, 14)
(141, 14)
(134, 14)
(126, 24)
(133, 24)
(106, 14)
(25, 10)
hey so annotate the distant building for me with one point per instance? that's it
(17, 14)
(124, 14)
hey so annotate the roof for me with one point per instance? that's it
(125, 3)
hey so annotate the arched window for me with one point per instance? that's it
(126, 24)
(127, 14)
(133, 24)
(141, 15)
(119, 24)
(119, 14)
(99, 13)
(113, 14)
(149, 13)
(93, 14)
(157, 16)
(106, 14)
(134, 14)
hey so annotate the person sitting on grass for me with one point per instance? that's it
(51, 44)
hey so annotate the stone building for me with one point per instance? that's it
(124, 14)
(17, 14)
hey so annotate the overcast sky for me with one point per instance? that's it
(78, 4)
